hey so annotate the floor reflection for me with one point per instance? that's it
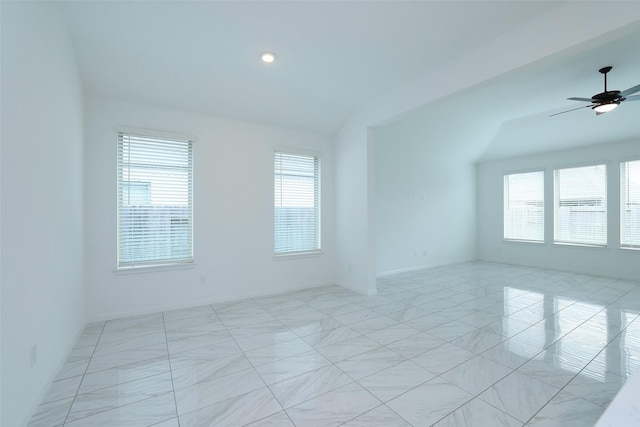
(470, 344)
(589, 337)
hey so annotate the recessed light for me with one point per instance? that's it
(268, 57)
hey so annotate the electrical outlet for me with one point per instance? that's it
(425, 252)
(203, 280)
(33, 355)
(349, 268)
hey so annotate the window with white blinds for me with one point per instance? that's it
(630, 201)
(155, 200)
(580, 198)
(524, 206)
(296, 203)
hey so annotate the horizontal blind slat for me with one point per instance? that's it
(630, 204)
(296, 202)
(155, 200)
(581, 205)
(524, 206)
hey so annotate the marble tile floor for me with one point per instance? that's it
(475, 344)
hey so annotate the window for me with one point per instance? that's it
(630, 200)
(524, 206)
(581, 205)
(155, 200)
(297, 203)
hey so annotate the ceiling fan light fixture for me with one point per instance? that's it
(268, 57)
(606, 107)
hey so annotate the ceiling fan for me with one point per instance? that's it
(608, 100)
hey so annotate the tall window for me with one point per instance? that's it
(581, 205)
(630, 200)
(297, 202)
(155, 200)
(524, 206)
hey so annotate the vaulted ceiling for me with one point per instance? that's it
(335, 57)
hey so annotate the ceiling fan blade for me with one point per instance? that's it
(632, 98)
(631, 90)
(580, 99)
(568, 111)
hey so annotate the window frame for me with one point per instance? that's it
(317, 249)
(556, 206)
(124, 265)
(505, 202)
(623, 205)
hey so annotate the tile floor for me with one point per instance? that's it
(474, 344)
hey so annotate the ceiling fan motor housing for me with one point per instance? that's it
(608, 96)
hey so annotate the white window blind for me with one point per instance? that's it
(580, 197)
(630, 200)
(155, 200)
(524, 206)
(297, 203)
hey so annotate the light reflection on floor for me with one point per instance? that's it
(470, 344)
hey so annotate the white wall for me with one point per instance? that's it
(357, 221)
(611, 261)
(425, 194)
(233, 213)
(355, 216)
(42, 224)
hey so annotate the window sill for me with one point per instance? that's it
(630, 248)
(518, 241)
(580, 245)
(297, 255)
(153, 268)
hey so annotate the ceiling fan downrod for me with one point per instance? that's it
(604, 71)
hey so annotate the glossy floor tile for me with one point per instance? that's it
(464, 345)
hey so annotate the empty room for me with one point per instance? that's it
(319, 213)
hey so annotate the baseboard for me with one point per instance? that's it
(589, 272)
(195, 303)
(51, 377)
(422, 267)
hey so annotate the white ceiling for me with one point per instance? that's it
(509, 115)
(334, 57)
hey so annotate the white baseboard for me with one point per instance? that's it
(195, 303)
(422, 267)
